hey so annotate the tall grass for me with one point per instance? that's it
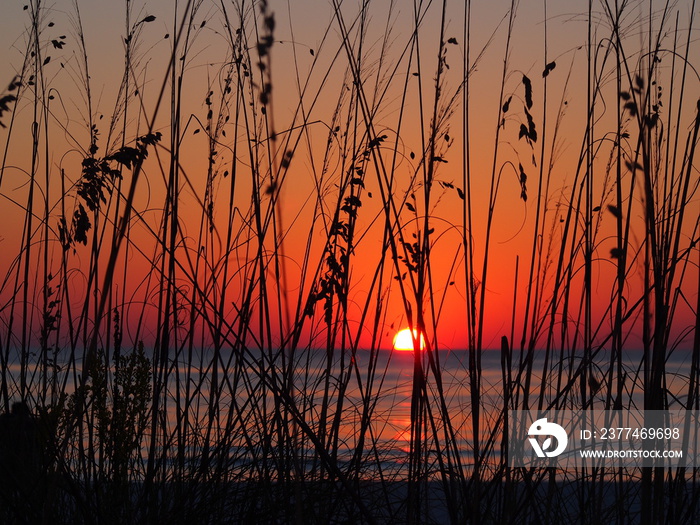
(201, 284)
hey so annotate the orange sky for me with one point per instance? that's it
(300, 29)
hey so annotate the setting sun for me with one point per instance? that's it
(403, 340)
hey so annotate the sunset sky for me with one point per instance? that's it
(308, 70)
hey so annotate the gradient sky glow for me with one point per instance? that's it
(309, 65)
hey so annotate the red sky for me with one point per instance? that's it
(307, 47)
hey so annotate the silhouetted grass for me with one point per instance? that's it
(201, 285)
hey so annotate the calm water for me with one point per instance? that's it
(383, 391)
(393, 385)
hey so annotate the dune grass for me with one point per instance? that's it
(200, 284)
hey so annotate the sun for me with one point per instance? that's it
(403, 341)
